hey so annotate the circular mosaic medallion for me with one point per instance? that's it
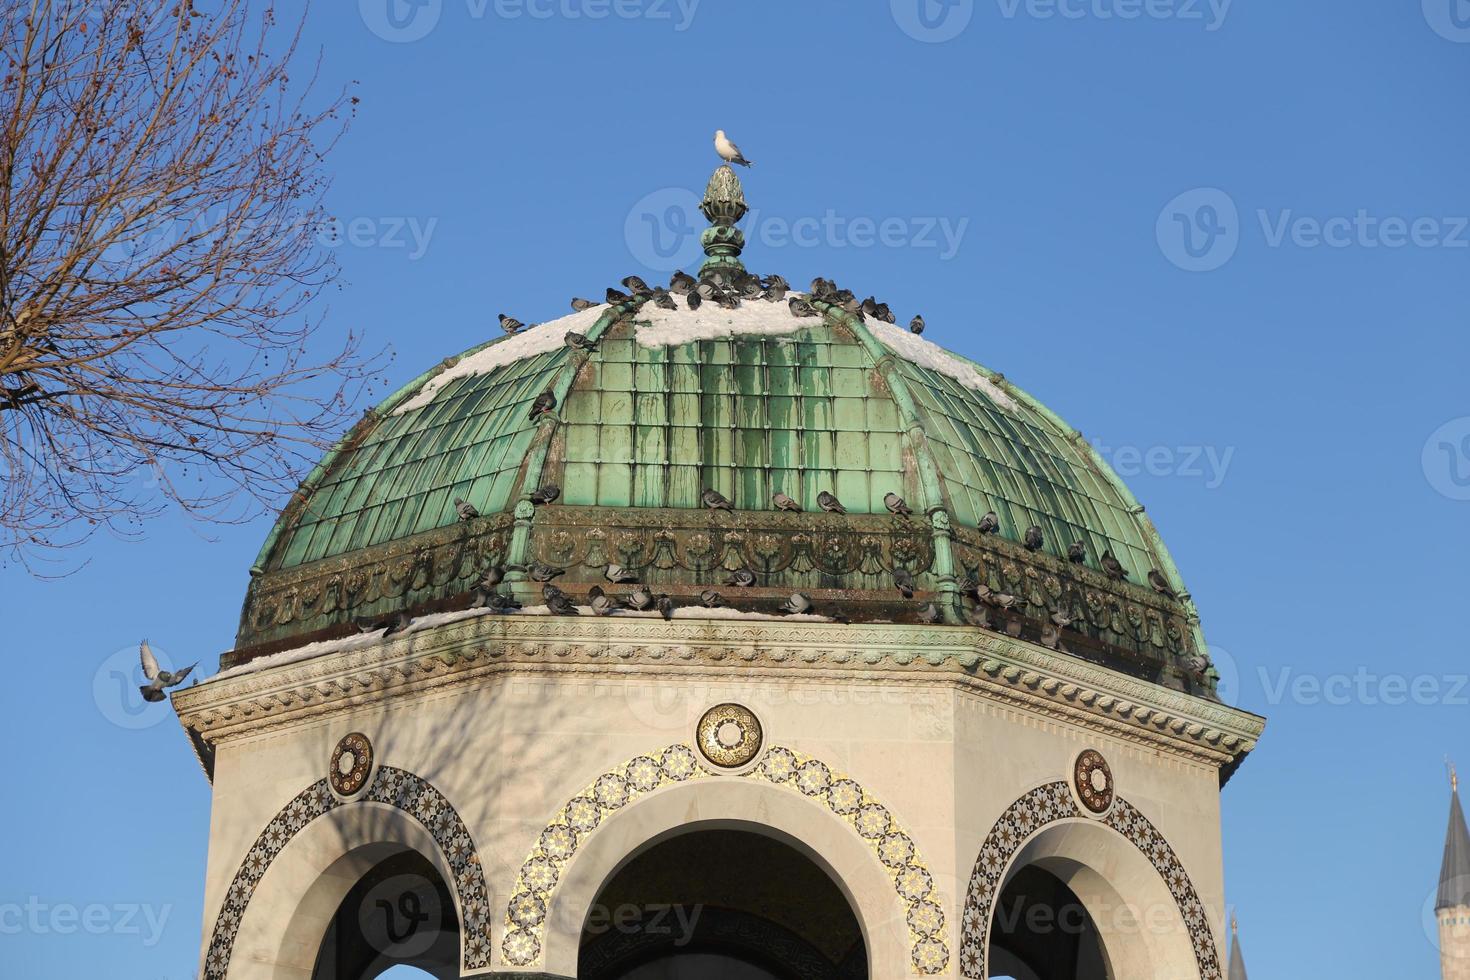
(729, 735)
(1093, 781)
(352, 760)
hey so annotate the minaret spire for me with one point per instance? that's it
(1452, 901)
(723, 205)
(1237, 959)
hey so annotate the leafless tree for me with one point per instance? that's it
(159, 262)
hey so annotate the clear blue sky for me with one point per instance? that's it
(1289, 363)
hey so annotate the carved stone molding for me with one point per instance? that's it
(979, 663)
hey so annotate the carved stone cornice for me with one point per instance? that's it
(984, 664)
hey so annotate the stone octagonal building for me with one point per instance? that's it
(1013, 772)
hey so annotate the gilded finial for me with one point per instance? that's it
(1234, 926)
(723, 204)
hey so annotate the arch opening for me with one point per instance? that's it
(1041, 930)
(721, 903)
(398, 919)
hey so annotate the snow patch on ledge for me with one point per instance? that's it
(540, 339)
(927, 354)
(360, 640)
(754, 317)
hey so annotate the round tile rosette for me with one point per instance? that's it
(729, 735)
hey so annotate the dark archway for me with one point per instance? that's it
(1042, 930)
(400, 913)
(721, 905)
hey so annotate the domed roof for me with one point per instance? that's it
(751, 402)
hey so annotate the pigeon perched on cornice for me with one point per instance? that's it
(784, 502)
(465, 509)
(642, 599)
(904, 580)
(828, 501)
(1160, 584)
(541, 572)
(1076, 552)
(558, 603)
(1034, 539)
(493, 576)
(619, 575)
(797, 603)
(916, 325)
(635, 285)
(157, 677)
(501, 603)
(510, 324)
(978, 615)
(664, 301)
(801, 308)
(390, 624)
(711, 599)
(1112, 567)
(896, 505)
(681, 282)
(665, 606)
(1051, 637)
(545, 494)
(577, 341)
(989, 524)
(616, 296)
(929, 613)
(1014, 625)
(579, 304)
(728, 151)
(714, 500)
(742, 577)
(602, 604)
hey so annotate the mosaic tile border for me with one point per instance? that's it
(394, 787)
(1046, 805)
(525, 916)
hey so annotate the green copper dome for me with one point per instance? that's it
(750, 401)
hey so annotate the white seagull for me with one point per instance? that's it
(728, 151)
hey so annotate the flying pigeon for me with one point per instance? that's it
(742, 577)
(916, 325)
(577, 341)
(694, 301)
(545, 494)
(665, 606)
(784, 502)
(681, 282)
(896, 505)
(800, 307)
(929, 613)
(1076, 552)
(1161, 584)
(1034, 538)
(541, 572)
(557, 602)
(1113, 567)
(664, 301)
(544, 403)
(616, 296)
(711, 599)
(714, 500)
(829, 502)
(619, 575)
(636, 285)
(728, 151)
(579, 304)
(158, 678)
(797, 603)
(904, 579)
(989, 524)
(465, 509)
(641, 599)
(510, 324)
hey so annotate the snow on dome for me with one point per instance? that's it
(673, 328)
(911, 347)
(540, 339)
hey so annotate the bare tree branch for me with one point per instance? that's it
(161, 183)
